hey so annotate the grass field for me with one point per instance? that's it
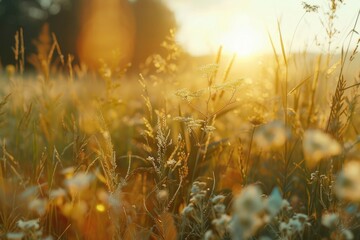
(213, 148)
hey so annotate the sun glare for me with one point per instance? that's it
(242, 40)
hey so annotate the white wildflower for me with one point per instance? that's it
(348, 182)
(249, 202)
(171, 162)
(75, 210)
(301, 217)
(230, 85)
(114, 200)
(38, 205)
(30, 192)
(248, 207)
(283, 227)
(274, 202)
(15, 236)
(209, 235)
(195, 188)
(56, 193)
(188, 209)
(285, 205)
(187, 95)
(347, 234)
(318, 145)
(197, 198)
(162, 195)
(221, 222)
(218, 199)
(271, 135)
(296, 225)
(30, 224)
(209, 69)
(219, 208)
(79, 182)
(208, 129)
(330, 220)
(251, 225)
(68, 172)
(57, 196)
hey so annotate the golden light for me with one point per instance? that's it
(243, 40)
(108, 32)
(100, 207)
(242, 37)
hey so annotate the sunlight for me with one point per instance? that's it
(107, 33)
(243, 40)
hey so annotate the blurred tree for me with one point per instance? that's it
(31, 15)
(152, 18)
(153, 22)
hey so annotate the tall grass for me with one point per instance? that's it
(179, 153)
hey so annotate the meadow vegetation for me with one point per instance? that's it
(181, 153)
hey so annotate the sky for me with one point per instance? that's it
(242, 26)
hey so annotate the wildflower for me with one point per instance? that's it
(222, 220)
(295, 225)
(271, 135)
(330, 220)
(285, 205)
(256, 120)
(219, 208)
(310, 8)
(30, 192)
(247, 219)
(229, 85)
(30, 224)
(274, 202)
(221, 223)
(209, 235)
(208, 129)
(188, 209)
(209, 69)
(75, 210)
(114, 200)
(217, 199)
(348, 182)
(171, 162)
(314, 176)
(68, 172)
(162, 195)
(79, 182)
(38, 206)
(15, 236)
(301, 217)
(298, 222)
(187, 95)
(318, 145)
(202, 185)
(57, 195)
(198, 197)
(284, 228)
(197, 192)
(347, 234)
(248, 202)
(250, 225)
